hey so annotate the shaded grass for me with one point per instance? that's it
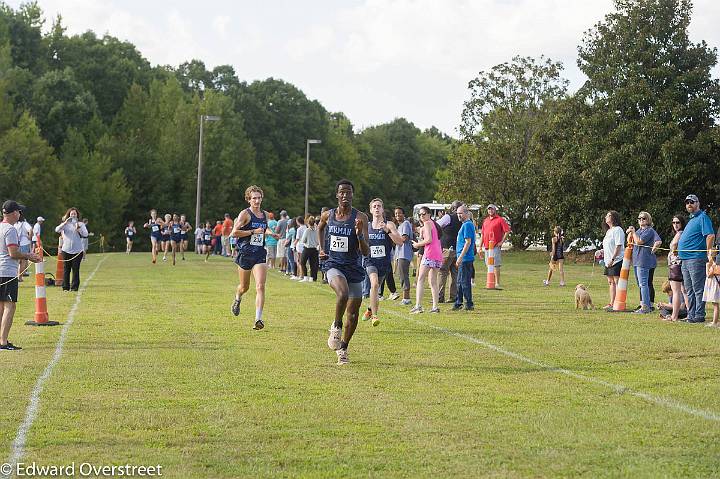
(157, 371)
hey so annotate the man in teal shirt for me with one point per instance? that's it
(465, 248)
(694, 249)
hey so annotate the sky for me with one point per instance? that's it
(374, 60)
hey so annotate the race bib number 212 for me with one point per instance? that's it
(339, 244)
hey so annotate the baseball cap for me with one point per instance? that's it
(40, 218)
(11, 206)
(693, 198)
(493, 206)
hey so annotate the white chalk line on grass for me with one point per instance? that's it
(32, 409)
(617, 388)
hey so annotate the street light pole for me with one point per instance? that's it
(307, 172)
(203, 118)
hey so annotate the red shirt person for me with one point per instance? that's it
(494, 227)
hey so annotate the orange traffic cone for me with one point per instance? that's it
(621, 292)
(490, 283)
(41, 312)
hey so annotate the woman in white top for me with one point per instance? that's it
(73, 231)
(309, 253)
(613, 252)
(24, 231)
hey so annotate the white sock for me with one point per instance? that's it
(258, 314)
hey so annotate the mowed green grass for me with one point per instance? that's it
(155, 370)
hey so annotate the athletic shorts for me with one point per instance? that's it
(130, 237)
(432, 263)
(9, 290)
(207, 242)
(497, 252)
(176, 238)
(271, 251)
(25, 248)
(354, 289)
(613, 270)
(156, 237)
(165, 237)
(380, 272)
(183, 236)
(247, 262)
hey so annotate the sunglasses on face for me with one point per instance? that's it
(676, 222)
(640, 218)
(689, 202)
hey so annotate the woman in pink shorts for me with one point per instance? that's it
(431, 262)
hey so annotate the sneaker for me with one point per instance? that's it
(608, 307)
(334, 338)
(236, 306)
(472, 283)
(416, 310)
(367, 315)
(562, 283)
(375, 320)
(642, 310)
(405, 302)
(258, 324)
(342, 356)
(10, 347)
(164, 259)
(546, 282)
(394, 296)
(498, 287)
(469, 308)
(381, 298)
(435, 310)
(708, 325)
(456, 307)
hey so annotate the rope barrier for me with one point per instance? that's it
(58, 256)
(713, 250)
(18, 275)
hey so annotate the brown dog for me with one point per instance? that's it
(582, 297)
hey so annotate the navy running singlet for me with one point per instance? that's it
(342, 247)
(380, 247)
(254, 244)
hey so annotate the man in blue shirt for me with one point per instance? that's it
(694, 249)
(465, 248)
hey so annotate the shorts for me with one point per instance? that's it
(165, 237)
(9, 290)
(497, 254)
(176, 238)
(24, 248)
(432, 263)
(280, 250)
(380, 272)
(248, 262)
(613, 270)
(156, 237)
(271, 251)
(207, 242)
(129, 238)
(354, 289)
(183, 236)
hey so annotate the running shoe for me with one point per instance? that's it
(405, 302)
(342, 356)
(334, 338)
(367, 314)
(546, 282)
(375, 320)
(435, 310)
(381, 298)
(562, 283)
(10, 347)
(416, 310)
(258, 324)
(394, 297)
(236, 306)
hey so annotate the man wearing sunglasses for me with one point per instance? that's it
(694, 250)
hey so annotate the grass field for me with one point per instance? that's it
(155, 370)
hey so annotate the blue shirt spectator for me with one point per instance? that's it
(642, 255)
(693, 237)
(467, 231)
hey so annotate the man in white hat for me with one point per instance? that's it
(494, 227)
(36, 231)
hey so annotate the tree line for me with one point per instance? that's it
(87, 121)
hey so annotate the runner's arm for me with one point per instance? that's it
(321, 232)
(242, 219)
(363, 237)
(394, 234)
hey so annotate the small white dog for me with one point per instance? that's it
(582, 297)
